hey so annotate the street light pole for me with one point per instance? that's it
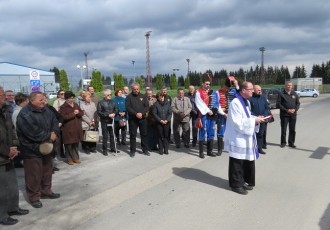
(81, 74)
(188, 60)
(262, 78)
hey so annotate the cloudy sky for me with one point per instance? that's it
(213, 34)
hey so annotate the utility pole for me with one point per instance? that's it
(86, 63)
(147, 35)
(133, 62)
(188, 60)
(262, 71)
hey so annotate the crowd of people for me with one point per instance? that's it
(34, 132)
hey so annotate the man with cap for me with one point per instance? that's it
(207, 102)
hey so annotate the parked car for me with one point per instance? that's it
(271, 95)
(52, 95)
(309, 92)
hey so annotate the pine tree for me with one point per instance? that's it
(64, 83)
(96, 81)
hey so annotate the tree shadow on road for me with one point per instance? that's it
(325, 220)
(201, 176)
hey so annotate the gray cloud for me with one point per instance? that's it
(212, 34)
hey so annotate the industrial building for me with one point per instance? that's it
(26, 79)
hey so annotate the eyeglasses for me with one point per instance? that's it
(108, 95)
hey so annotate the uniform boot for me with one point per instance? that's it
(201, 146)
(210, 148)
(220, 146)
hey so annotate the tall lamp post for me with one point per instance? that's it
(133, 62)
(188, 61)
(81, 74)
(262, 77)
(175, 70)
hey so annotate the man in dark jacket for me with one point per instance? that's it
(8, 180)
(107, 110)
(137, 107)
(259, 108)
(288, 103)
(37, 124)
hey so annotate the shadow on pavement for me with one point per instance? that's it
(201, 176)
(325, 220)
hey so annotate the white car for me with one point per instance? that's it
(308, 93)
(52, 95)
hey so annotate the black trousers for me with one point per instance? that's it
(106, 132)
(265, 136)
(291, 120)
(8, 191)
(140, 124)
(241, 172)
(123, 131)
(163, 137)
(260, 135)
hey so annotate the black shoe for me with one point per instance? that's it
(105, 153)
(9, 221)
(36, 204)
(247, 187)
(123, 142)
(283, 145)
(202, 156)
(114, 151)
(264, 147)
(51, 196)
(93, 150)
(87, 151)
(171, 141)
(292, 146)
(261, 151)
(187, 146)
(241, 191)
(177, 146)
(56, 169)
(211, 154)
(132, 154)
(19, 212)
(146, 152)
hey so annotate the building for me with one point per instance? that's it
(26, 79)
(303, 83)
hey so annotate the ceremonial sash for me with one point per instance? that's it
(255, 145)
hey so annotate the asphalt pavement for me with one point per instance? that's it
(182, 191)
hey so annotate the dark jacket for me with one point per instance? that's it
(56, 113)
(72, 123)
(106, 107)
(194, 109)
(136, 104)
(33, 127)
(287, 101)
(7, 135)
(162, 111)
(259, 105)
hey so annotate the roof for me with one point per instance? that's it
(7, 68)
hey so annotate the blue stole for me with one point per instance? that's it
(255, 145)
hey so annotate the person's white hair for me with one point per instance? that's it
(106, 91)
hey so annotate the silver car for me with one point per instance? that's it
(308, 93)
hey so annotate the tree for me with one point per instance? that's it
(159, 81)
(119, 81)
(96, 81)
(64, 83)
(180, 81)
(57, 74)
(186, 83)
(140, 81)
(173, 82)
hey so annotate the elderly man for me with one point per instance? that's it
(259, 108)
(125, 91)
(191, 94)
(10, 101)
(37, 124)
(181, 108)
(94, 98)
(137, 107)
(8, 180)
(288, 103)
(239, 139)
(107, 110)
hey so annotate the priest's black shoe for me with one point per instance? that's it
(132, 154)
(241, 191)
(292, 146)
(51, 196)
(36, 204)
(19, 212)
(9, 221)
(262, 151)
(282, 145)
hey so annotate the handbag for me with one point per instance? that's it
(122, 122)
(198, 123)
(91, 136)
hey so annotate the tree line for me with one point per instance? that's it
(272, 75)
